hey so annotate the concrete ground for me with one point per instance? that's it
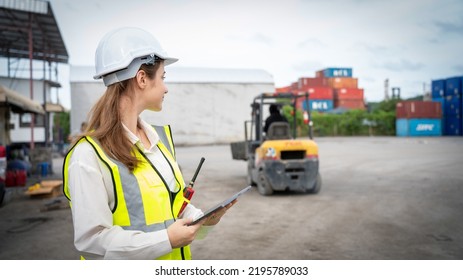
(382, 198)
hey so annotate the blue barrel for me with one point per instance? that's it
(418, 127)
(43, 168)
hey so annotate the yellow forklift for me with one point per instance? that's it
(277, 160)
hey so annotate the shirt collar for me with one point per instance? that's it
(149, 131)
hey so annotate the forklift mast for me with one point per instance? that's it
(258, 106)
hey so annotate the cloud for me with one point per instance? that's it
(311, 43)
(374, 49)
(307, 66)
(402, 65)
(449, 27)
(261, 38)
(458, 68)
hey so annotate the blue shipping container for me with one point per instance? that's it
(452, 125)
(442, 101)
(452, 105)
(337, 72)
(321, 105)
(418, 127)
(453, 86)
(437, 88)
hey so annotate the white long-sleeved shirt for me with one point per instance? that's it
(92, 198)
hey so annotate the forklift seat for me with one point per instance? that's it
(278, 131)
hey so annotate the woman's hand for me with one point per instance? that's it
(181, 234)
(215, 218)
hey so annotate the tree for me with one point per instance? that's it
(61, 127)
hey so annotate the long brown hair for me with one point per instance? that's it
(105, 120)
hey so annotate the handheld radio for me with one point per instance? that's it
(189, 191)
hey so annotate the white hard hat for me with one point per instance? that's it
(121, 52)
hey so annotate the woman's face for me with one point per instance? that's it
(156, 90)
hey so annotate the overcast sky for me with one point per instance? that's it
(409, 42)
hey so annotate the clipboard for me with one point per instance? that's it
(220, 205)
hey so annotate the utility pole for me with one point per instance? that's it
(386, 89)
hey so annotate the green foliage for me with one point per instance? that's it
(381, 121)
(302, 129)
(387, 106)
(62, 126)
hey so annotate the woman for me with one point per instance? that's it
(124, 185)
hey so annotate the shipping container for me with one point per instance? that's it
(453, 86)
(339, 83)
(349, 103)
(283, 89)
(418, 127)
(317, 93)
(334, 72)
(295, 86)
(437, 88)
(305, 82)
(316, 105)
(348, 93)
(452, 125)
(441, 100)
(452, 105)
(418, 110)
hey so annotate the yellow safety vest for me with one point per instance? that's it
(143, 200)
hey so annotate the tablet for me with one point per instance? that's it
(219, 206)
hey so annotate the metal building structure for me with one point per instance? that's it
(29, 31)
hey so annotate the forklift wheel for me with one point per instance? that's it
(263, 187)
(249, 177)
(317, 186)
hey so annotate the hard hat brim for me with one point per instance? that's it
(129, 72)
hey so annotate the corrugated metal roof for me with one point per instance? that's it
(33, 6)
(15, 99)
(15, 19)
(192, 75)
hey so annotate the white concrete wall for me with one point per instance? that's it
(207, 113)
(83, 96)
(199, 113)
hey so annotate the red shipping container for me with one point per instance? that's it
(320, 74)
(349, 103)
(317, 93)
(283, 89)
(342, 82)
(294, 85)
(419, 110)
(348, 93)
(305, 83)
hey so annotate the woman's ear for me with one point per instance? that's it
(141, 79)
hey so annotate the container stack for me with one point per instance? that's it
(418, 118)
(448, 92)
(320, 96)
(346, 93)
(329, 89)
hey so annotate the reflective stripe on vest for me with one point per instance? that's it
(143, 200)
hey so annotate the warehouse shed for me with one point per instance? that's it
(203, 105)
